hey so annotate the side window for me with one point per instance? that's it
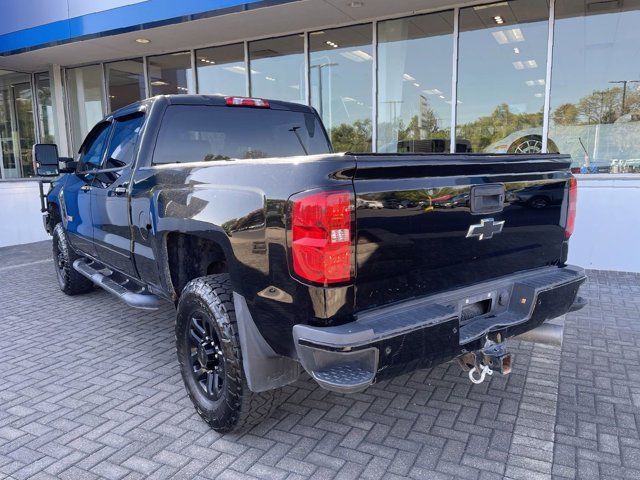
(93, 148)
(123, 141)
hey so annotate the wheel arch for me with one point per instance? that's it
(192, 255)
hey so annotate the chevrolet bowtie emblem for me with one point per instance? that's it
(486, 229)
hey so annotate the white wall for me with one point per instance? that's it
(607, 232)
(606, 237)
(20, 217)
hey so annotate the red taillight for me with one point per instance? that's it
(246, 102)
(571, 212)
(321, 234)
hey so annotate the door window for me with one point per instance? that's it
(123, 141)
(92, 150)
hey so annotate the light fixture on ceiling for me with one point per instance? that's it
(512, 35)
(356, 4)
(516, 50)
(159, 83)
(408, 78)
(143, 40)
(498, 19)
(357, 56)
(331, 44)
(491, 5)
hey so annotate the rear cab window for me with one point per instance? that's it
(197, 133)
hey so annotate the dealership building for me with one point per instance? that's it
(515, 76)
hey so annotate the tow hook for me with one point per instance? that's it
(492, 358)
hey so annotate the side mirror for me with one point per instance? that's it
(45, 159)
(67, 165)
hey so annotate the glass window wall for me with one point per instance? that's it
(125, 82)
(595, 88)
(341, 84)
(170, 74)
(17, 132)
(45, 109)
(414, 83)
(501, 76)
(277, 68)
(85, 94)
(221, 70)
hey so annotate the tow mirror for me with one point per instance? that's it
(45, 159)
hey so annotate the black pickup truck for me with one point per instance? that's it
(282, 256)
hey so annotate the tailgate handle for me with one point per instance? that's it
(487, 198)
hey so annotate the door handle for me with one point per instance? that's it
(85, 188)
(120, 190)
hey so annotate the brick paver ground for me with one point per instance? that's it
(90, 388)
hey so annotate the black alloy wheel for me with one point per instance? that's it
(60, 262)
(71, 282)
(207, 359)
(210, 357)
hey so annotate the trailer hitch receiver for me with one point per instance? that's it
(492, 358)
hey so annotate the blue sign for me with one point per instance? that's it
(30, 24)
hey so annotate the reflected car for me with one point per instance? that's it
(373, 204)
(522, 141)
(538, 197)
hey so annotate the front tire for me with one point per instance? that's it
(71, 282)
(210, 358)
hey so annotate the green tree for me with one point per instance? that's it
(565, 114)
(355, 137)
(602, 106)
(502, 122)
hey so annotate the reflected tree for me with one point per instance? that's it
(355, 137)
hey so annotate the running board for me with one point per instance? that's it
(117, 284)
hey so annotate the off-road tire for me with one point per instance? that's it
(237, 408)
(71, 282)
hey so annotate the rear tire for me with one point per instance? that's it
(71, 282)
(210, 358)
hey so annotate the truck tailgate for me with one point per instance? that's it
(429, 223)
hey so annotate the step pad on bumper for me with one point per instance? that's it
(351, 377)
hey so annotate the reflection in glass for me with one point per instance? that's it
(12, 115)
(501, 76)
(221, 70)
(170, 74)
(125, 82)
(45, 109)
(85, 93)
(206, 134)
(595, 89)
(341, 72)
(414, 83)
(23, 100)
(277, 68)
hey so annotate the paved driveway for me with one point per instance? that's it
(90, 388)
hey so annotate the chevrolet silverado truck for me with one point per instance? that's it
(281, 256)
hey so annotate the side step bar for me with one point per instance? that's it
(138, 298)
